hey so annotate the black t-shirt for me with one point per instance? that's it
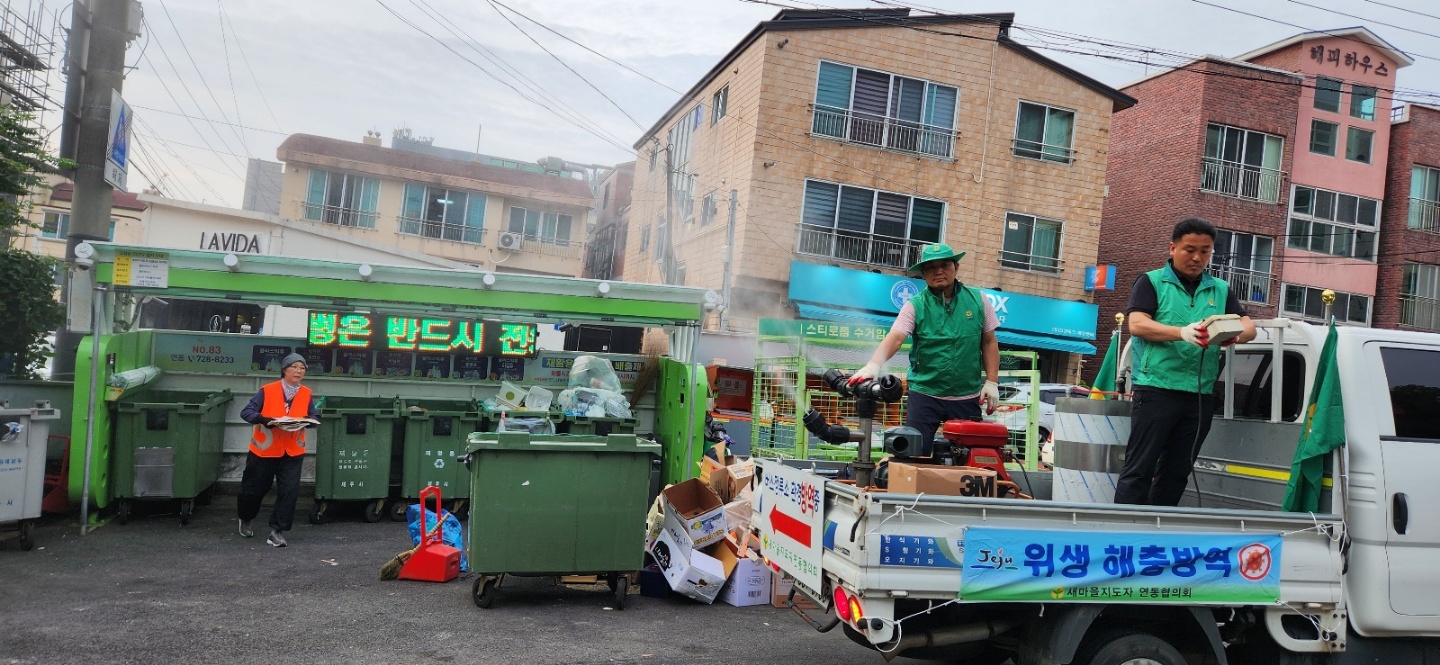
(1144, 299)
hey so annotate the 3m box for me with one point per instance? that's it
(693, 573)
(906, 478)
(694, 515)
(749, 584)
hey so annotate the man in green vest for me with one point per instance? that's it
(954, 355)
(1173, 367)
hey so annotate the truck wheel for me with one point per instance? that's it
(1127, 647)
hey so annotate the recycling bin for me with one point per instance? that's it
(23, 435)
(356, 439)
(436, 434)
(167, 446)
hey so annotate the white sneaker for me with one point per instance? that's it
(275, 539)
(247, 528)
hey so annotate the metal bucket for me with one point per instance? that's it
(1090, 438)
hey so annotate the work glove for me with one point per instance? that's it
(990, 397)
(1196, 334)
(869, 371)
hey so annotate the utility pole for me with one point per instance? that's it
(90, 206)
(75, 75)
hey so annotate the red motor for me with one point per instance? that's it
(979, 444)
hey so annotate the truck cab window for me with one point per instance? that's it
(1414, 378)
(1253, 385)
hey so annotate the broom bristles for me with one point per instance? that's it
(391, 569)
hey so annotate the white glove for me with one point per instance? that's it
(869, 371)
(1196, 334)
(990, 397)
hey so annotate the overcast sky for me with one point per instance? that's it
(340, 68)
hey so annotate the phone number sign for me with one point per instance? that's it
(381, 332)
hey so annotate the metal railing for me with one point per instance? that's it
(1031, 262)
(1247, 285)
(880, 131)
(1036, 150)
(562, 249)
(441, 231)
(867, 248)
(1420, 312)
(1241, 180)
(1424, 215)
(339, 215)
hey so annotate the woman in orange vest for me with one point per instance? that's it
(276, 453)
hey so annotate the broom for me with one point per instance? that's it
(391, 569)
(645, 378)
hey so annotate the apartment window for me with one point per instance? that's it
(1242, 163)
(1244, 260)
(1362, 102)
(707, 210)
(447, 214)
(546, 227)
(1044, 132)
(1332, 223)
(662, 238)
(685, 195)
(1031, 243)
(342, 199)
(1327, 94)
(56, 225)
(885, 110)
(1420, 296)
(644, 239)
(605, 202)
(1304, 302)
(718, 104)
(679, 274)
(866, 225)
(1424, 199)
(1358, 143)
(654, 152)
(1322, 137)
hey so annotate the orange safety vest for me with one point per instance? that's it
(274, 442)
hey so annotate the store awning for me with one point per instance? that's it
(818, 313)
(1044, 342)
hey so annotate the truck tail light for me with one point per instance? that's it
(842, 604)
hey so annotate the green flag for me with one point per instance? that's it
(1105, 380)
(1324, 432)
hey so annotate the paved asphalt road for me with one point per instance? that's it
(152, 591)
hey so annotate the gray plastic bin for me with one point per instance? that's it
(23, 435)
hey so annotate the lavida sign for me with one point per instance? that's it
(239, 243)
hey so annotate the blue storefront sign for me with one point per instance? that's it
(1098, 566)
(839, 294)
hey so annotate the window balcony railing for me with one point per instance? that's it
(554, 247)
(1241, 180)
(1032, 262)
(892, 133)
(1248, 285)
(1420, 312)
(1059, 154)
(1424, 216)
(867, 248)
(441, 231)
(340, 216)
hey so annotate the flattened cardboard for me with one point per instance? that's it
(934, 479)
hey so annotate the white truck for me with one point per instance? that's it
(988, 581)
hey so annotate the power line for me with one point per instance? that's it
(1367, 20)
(229, 74)
(243, 58)
(184, 115)
(1296, 25)
(187, 90)
(203, 81)
(587, 48)
(1377, 2)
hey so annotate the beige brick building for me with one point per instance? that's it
(492, 216)
(851, 142)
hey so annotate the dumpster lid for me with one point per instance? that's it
(619, 443)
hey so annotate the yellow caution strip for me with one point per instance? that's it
(1268, 474)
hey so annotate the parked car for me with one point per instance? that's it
(1015, 396)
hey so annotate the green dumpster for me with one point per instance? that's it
(537, 422)
(353, 455)
(167, 446)
(596, 426)
(436, 433)
(556, 505)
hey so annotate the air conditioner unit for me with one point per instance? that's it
(511, 240)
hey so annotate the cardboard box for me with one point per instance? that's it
(909, 478)
(732, 479)
(693, 573)
(694, 515)
(749, 584)
(738, 515)
(780, 585)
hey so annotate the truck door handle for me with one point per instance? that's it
(1400, 512)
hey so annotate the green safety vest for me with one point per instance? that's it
(1177, 365)
(945, 347)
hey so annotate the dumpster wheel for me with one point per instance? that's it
(374, 510)
(122, 511)
(187, 508)
(483, 592)
(317, 512)
(396, 510)
(27, 538)
(620, 584)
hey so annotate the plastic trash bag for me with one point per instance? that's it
(594, 372)
(450, 531)
(529, 425)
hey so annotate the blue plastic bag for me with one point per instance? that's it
(450, 532)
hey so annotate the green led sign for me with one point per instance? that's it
(429, 334)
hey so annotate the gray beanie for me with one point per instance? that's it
(291, 360)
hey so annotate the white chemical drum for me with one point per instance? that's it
(1089, 448)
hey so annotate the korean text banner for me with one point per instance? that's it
(1019, 565)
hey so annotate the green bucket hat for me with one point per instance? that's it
(935, 252)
